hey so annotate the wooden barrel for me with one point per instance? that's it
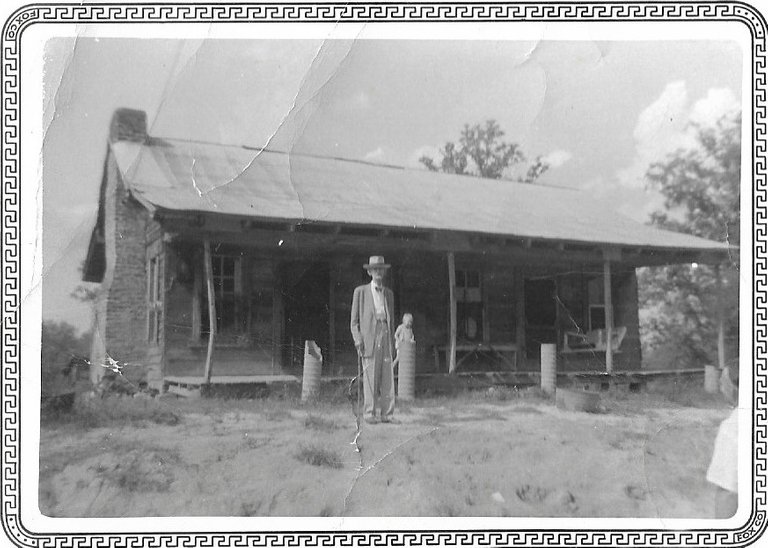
(406, 375)
(313, 366)
(548, 368)
(711, 379)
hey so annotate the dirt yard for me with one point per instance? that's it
(497, 452)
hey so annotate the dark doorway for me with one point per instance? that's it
(306, 295)
(540, 314)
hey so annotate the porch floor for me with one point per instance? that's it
(497, 377)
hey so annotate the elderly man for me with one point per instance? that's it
(371, 322)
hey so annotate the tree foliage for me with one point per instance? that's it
(61, 342)
(482, 151)
(679, 303)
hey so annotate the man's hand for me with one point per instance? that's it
(359, 347)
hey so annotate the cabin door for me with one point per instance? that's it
(540, 314)
(306, 295)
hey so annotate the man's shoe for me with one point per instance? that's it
(390, 420)
(371, 420)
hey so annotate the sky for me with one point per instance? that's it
(599, 112)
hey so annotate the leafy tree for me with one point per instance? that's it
(679, 303)
(482, 151)
(62, 347)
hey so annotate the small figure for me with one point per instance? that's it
(403, 333)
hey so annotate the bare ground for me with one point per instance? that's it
(497, 453)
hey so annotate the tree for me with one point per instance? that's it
(679, 303)
(482, 152)
(62, 348)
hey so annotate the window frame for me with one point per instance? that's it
(470, 296)
(236, 297)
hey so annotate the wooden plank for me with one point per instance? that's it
(183, 391)
(229, 379)
(211, 307)
(452, 305)
(608, 315)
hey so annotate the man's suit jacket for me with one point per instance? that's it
(363, 318)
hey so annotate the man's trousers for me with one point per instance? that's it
(378, 382)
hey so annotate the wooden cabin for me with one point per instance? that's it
(218, 262)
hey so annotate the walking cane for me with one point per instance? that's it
(359, 382)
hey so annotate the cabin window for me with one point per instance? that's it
(469, 305)
(231, 317)
(154, 298)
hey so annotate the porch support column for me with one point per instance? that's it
(452, 303)
(211, 308)
(607, 298)
(720, 317)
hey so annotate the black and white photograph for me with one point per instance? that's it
(366, 276)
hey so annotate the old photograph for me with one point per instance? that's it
(361, 276)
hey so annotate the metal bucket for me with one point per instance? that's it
(313, 366)
(548, 368)
(406, 373)
(711, 379)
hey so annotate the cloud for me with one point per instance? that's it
(557, 158)
(665, 126)
(718, 102)
(374, 155)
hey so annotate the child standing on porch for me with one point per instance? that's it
(403, 333)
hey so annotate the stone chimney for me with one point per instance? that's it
(128, 125)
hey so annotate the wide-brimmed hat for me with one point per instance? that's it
(376, 261)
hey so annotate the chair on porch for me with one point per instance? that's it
(593, 341)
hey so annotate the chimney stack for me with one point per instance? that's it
(128, 125)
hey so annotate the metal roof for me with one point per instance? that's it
(188, 176)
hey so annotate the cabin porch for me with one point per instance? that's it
(274, 289)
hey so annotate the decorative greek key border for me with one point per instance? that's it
(10, 42)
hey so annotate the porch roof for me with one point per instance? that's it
(183, 176)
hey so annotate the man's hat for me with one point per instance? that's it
(376, 261)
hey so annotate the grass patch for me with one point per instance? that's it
(319, 456)
(111, 412)
(316, 422)
(140, 471)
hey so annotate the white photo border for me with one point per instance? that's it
(363, 12)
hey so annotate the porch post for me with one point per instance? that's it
(720, 318)
(452, 299)
(211, 308)
(607, 298)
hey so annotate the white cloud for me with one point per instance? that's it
(718, 101)
(557, 158)
(664, 126)
(374, 155)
